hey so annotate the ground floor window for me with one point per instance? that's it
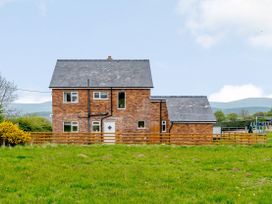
(96, 126)
(163, 126)
(141, 124)
(70, 126)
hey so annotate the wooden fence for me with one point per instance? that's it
(147, 138)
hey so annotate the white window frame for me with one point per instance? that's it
(98, 124)
(72, 93)
(100, 93)
(76, 124)
(164, 123)
(118, 100)
(141, 128)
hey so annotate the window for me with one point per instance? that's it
(103, 95)
(96, 126)
(70, 97)
(70, 127)
(96, 95)
(141, 124)
(121, 100)
(163, 126)
(100, 95)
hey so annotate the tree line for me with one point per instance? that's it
(241, 120)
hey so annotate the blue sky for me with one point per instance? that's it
(196, 47)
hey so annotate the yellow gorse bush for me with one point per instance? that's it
(12, 134)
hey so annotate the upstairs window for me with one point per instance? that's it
(121, 100)
(70, 97)
(100, 95)
(141, 124)
(163, 126)
(70, 127)
(96, 126)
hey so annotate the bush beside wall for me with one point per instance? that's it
(11, 134)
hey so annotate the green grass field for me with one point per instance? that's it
(136, 174)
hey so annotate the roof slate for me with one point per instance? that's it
(188, 108)
(102, 74)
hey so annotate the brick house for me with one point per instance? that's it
(114, 96)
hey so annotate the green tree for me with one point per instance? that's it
(232, 117)
(220, 116)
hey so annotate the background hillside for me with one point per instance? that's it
(39, 109)
(252, 105)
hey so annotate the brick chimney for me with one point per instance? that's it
(109, 58)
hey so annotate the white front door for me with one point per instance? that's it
(109, 132)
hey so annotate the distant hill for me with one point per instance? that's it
(39, 109)
(252, 105)
(250, 110)
(25, 108)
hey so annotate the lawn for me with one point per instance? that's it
(136, 174)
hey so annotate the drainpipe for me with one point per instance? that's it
(89, 106)
(161, 116)
(160, 120)
(101, 125)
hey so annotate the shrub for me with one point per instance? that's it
(237, 124)
(11, 134)
(33, 124)
(232, 117)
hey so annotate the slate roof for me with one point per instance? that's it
(102, 74)
(188, 108)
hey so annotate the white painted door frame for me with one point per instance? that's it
(109, 132)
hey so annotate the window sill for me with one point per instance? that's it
(71, 132)
(70, 102)
(100, 99)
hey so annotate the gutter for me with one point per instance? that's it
(192, 122)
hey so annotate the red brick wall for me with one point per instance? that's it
(199, 128)
(138, 107)
(155, 116)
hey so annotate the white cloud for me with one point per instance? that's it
(28, 97)
(232, 93)
(247, 19)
